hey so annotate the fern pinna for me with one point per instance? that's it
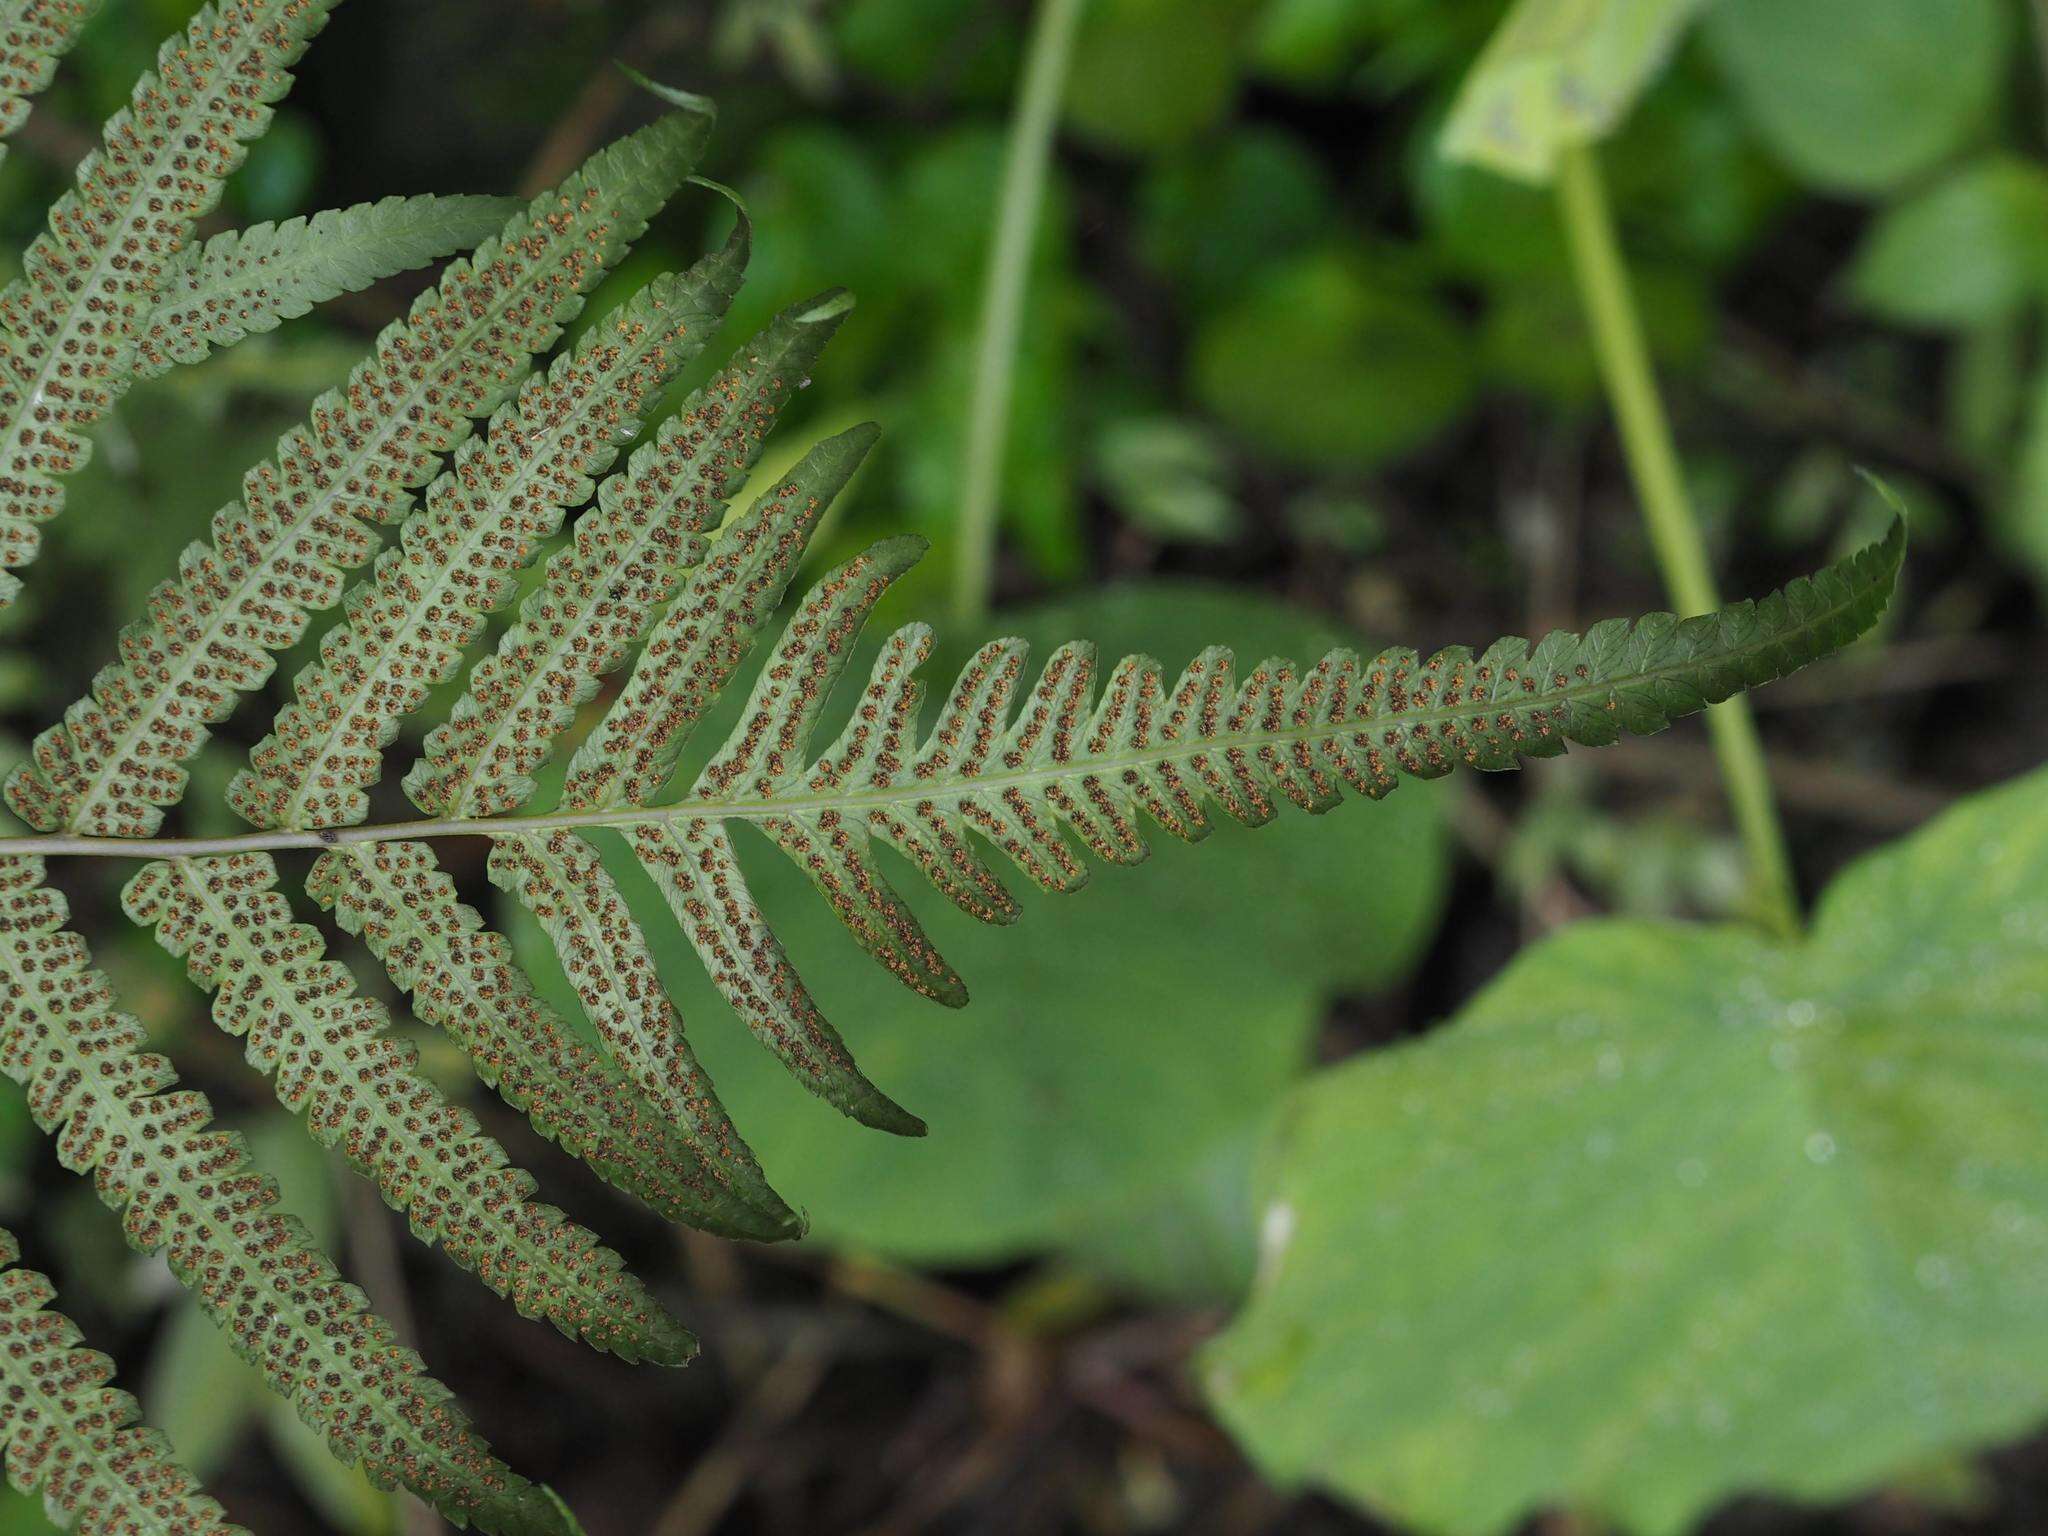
(453, 433)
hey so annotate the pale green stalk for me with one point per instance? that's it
(1027, 158)
(1667, 512)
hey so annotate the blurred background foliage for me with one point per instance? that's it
(1286, 373)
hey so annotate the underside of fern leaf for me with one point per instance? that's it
(1047, 772)
(254, 279)
(362, 1092)
(71, 321)
(34, 35)
(187, 1191)
(281, 552)
(74, 1438)
(1044, 773)
(452, 433)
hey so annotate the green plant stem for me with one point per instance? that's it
(1026, 159)
(1674, 532)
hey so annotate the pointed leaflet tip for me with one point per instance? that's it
(829, 305)
(728, 193)
(689, 101)
(1886, 494)
(570, 1525)
(833, 461)
(897, 555)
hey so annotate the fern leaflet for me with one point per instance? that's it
(70, 322)
(362, 1092)
(34, 35)
(280, 553)
(247, 281)
(187, 1191)
(74, 1437)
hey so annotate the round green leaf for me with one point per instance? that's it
(1860, 95)
(1320, 365)
(1966, 252)
(1671, 1214)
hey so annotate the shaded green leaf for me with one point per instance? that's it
(1321, 364)
(1968, 251)
(1858, 96)
(1150, 74)
(1670, 1214)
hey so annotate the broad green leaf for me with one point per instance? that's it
(1167, 477)
(1151, 74)
(1053, 1096)
(1192, 1240)
(1858, 96)
(1324, 364)
(1671, 1214)
(1969, 251)
(1559, 73)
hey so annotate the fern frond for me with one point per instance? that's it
(459, 555)
(559, 878)
(1026, 771)
(252, 280)
(1044, 772)
(68, 326)
(629, 557)
(464, 981)
(698, 642)
(361, 1091)
(69, 1434)
(188, 1191)
(34, 35)
(117, 759)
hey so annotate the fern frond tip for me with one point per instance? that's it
(829, 305)
(675, 96)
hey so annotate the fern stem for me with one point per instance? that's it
(1026, 160)
(1681, 551)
